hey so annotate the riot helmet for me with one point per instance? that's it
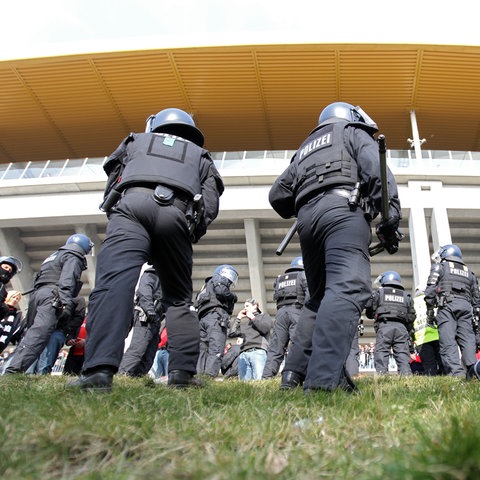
(82, 241)
(447, 252)
(15, 267)
(296, 264)
(175, 122)
(347, 112)
(390, 277)
(228, 272)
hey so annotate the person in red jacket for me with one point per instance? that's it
(74, 361)
(160, 364)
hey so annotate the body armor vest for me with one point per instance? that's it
(207, 300)
(323, 162)
(51, 268)
(456, 280)
(286, 287)
(392, 305)
(157, 158)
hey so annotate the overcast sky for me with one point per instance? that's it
(33, 28)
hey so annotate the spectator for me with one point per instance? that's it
(160, 364)
(12, 323)
(230, 358)
(254, 327)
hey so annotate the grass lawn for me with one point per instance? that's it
(396, 428)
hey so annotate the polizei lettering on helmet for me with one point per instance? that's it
(316, 144)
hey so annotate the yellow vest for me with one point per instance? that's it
(423, 332)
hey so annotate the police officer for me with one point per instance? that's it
(453, 288)
(319, 187)
(289, 292)
(147, 316)
(392, 309)
(9, 266)
(56, 286)
(214, 305)
(165, 190)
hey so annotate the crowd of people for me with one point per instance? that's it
(162, 193)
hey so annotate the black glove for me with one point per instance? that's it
(476, 318)
(431, 320)
(64, 314)
(387, 233)
(151, 316)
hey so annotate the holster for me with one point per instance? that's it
(163, 195)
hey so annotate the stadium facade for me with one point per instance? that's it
(62, 115)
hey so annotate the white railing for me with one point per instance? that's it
(260, 162)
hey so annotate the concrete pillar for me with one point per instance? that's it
(440, 225)
(416, 137)
(11, 245)
(255, 261)
(421, 261)
(91, 232)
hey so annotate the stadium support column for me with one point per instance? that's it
(441, 234)
(417, 228)
(91, 232)
(416, 143)
(255, 261)
(12, 245)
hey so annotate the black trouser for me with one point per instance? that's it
(213, 337)
(430, 356)
(352, 365)
(455, 330)
(283, 330)
(140, 231)
(140, 354)
(334, 242)
(392, 335)
(44, 319)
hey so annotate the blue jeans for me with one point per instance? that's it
(160, 364)
(49, 356)
(251, 364)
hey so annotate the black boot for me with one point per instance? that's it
(183, 379)
(99, 379)
(473, 371)
(291, 380)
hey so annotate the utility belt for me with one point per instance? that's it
(354, 199)
(387, 320)
(293, 303)
(164, 196)
(445, 298)
(44, 284)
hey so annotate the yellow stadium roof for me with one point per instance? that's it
(251, 97)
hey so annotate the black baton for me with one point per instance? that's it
(287, 238)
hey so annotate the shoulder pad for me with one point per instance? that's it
(364, 126)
